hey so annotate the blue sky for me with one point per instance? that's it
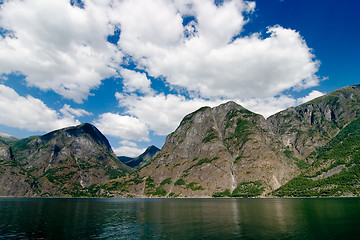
(134, 68)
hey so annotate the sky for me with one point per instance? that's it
(135, 68)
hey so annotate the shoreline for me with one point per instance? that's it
(148, 198)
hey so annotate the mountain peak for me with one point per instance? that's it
(75, 131)
(150, 152)
(62, 162)
(6, 138)
(230, 104)
(142, 159)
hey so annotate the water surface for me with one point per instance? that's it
(179, 218)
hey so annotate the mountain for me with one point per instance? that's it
(311, 125)
(142, 160)
(66, 162)
(214, 151)
(225, 151)
(230, 151)
(334, 168)
(5, 138)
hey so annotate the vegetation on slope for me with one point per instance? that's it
(342, 150)
(247, 189)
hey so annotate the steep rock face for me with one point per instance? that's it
(4, 152)
(60, 163)
(214, 150)
(12, 182)
(230, 151)
(309, 150)
(335, 168)
(311, 125)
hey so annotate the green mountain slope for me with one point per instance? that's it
(65, 162)
(335, 170)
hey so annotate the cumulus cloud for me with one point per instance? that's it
(162, 113)
(214, 61)
(64, 48)
(29, 113)
(194, 46)
(268, 106)
(135, 81)
(129, 149)
(272, 105)
(314, 94)
(122, 126)
(58, 46)
(69, 111)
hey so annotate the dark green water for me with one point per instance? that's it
(179, 218)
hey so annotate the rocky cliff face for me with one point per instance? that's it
(62, 163)
(309, 150)
(215, 150)
(230, 151)
(311, 125)
(334, 136)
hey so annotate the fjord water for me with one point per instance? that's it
(337, 218)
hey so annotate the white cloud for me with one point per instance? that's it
(314, 94)
(128, 143)
(29, 113)
(124, 127)
(268, 106)
(135, 81)
(129, 151)
(162, 113)
(210, 62)
(64, 48)
(69, 111)
(58, 46)
(147, 26)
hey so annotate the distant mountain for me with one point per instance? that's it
(5, 138)
(142, 160)
(66, 162)
(310, 150)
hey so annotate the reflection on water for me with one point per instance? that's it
(179, 218)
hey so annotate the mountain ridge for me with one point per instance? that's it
(141, 160)
(64, 162)
(224, 151)
(230, 151)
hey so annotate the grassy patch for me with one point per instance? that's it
(160, 191)
(180, 182)
(243, 190)
(237, 159)
(248, 189)
(114, 173)
(300, 163)
(210, 135)
(194, 186)
(203, 161)
(225, 193)
(241, 134)
(166, 181)
(346, 182)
